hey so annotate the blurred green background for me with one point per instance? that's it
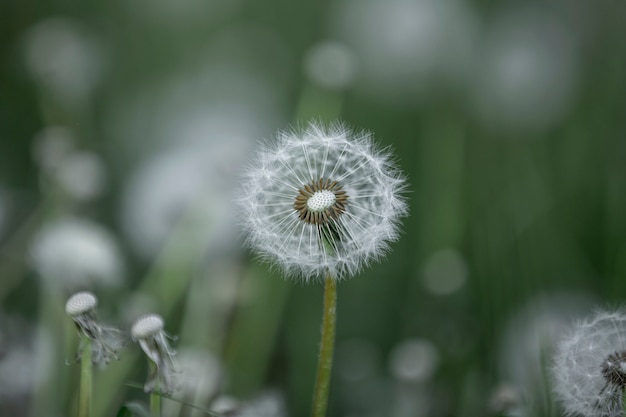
(124, 127)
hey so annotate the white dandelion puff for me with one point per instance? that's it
(322, 201)
(590, 367)
(73, 253)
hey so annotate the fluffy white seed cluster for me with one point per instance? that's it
(74, 253)
(589, 367)
(324, 200)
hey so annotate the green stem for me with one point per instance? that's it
(86, 375)
(324, 367)
(155, 405)
(155, 399)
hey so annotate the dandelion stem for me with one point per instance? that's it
(155, 399)
(325, 363)
(86, 375)
(155, 405)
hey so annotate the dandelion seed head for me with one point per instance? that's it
(72, 253)
(530, 339)
(588, 370)
(148, 332)
(64, 58)
(80, 303)
(147, 326)
(105, 341)
(322, 200)
(179, 184)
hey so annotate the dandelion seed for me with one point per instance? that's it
(105, 341)
(323, 201)
(590, 367)
(148, 332)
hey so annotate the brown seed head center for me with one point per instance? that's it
(614, 369)
(320, 202)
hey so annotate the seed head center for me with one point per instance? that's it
(321, 200)
(613, 369)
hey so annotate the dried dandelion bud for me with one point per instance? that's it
(105, 341)
(148, 332)
(81, 303)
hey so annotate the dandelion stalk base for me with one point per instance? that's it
(324, 367)
(86, 369)
(155, 399)
(155, 405)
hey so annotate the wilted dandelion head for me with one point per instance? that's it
(322, 201)
(590, 366)
(81, 303)
(105, 341)
(148, 332)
